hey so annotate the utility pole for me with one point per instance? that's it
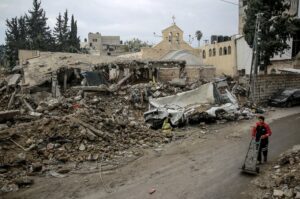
(255, 56)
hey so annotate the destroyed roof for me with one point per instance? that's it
(136, 55)
(38, 70)
(191, 60)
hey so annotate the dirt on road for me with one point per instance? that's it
(204, 162)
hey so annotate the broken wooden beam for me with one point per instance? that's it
(8, 115)
(93, 129)
(100, 88)
(11, 100)
(122, 81)
(29, 107)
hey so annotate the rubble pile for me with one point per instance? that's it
(76, 115)
(282, 180)
(90, 129)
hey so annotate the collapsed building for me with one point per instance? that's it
(60, 109)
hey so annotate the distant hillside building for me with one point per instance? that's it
(107, 45)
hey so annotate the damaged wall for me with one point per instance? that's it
(268, 85)
(167, 74)
(203, 73)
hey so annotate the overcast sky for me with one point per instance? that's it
(134, 18)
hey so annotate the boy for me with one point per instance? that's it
(261, 132)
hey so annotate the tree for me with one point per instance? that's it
(74, 41)
(65, 32)
(2, 56)
(39, 33)
(198, 35)
(23, 33)
(135, 45)
(12, 39)
(58, 33)
(275, 29)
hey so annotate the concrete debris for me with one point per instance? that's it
(77, 111)
(278, 193)
(282, 178)
(13, 80)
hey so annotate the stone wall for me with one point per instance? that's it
(24, 55)
(268, 85)
(200, 73)
(167, 74)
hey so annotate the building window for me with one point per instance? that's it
(229, 50)
(209, 52)
(170, 36)
(203, 54)
(94, 40)
(214, 52)
(221, 51)
(91, 44)
(177, 37)
(225, 51)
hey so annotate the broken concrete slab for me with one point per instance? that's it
(202, 95)
(12, 80)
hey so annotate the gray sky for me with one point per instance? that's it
(134, 18)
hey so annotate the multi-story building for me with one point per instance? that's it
(281, 60)
(99, 44)
(221, 54)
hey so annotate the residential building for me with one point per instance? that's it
(222, 55)
(104, 45)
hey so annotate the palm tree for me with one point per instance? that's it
(198, 35)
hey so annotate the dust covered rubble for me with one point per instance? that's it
(56, 135)
(282, 178)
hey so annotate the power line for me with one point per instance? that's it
(230, 2)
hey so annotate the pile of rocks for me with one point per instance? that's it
(282, 180)
(73, 129)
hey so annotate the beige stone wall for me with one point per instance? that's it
(175, 36)
(167, 74)
(276, 65)
(194, 73)
(24, 55)
(224, 63)
(208, 73)
(268, 85)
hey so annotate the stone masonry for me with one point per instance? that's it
(268, 85)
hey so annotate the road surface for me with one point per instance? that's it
(200, 166)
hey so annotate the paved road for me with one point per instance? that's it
(205, 170)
